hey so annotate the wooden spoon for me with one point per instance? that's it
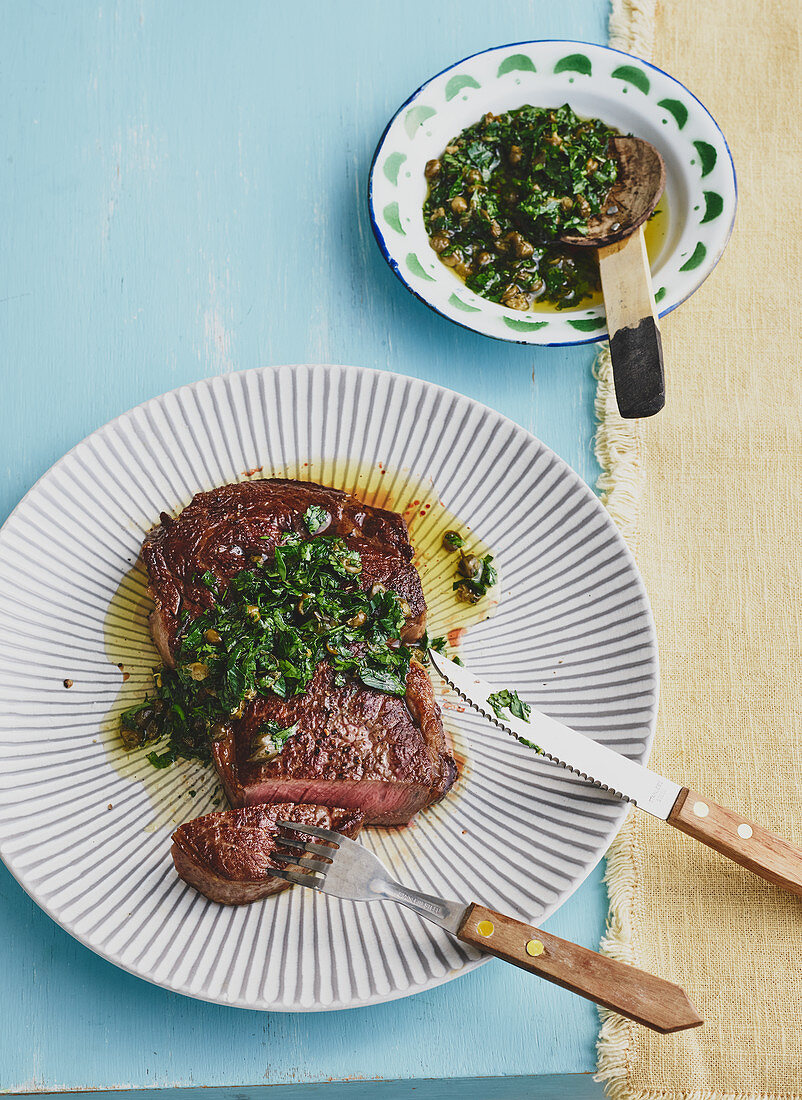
(617, 232)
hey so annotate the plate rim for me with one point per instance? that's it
(622, 808)
(531, 339)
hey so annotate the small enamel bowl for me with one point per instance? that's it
(598, 82)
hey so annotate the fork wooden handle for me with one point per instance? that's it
(754, 847)
(642, 997)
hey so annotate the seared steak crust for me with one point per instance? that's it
(228, 856)
(355, 747)
(225, 530)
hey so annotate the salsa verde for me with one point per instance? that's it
(503, 191)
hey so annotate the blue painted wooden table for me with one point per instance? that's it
(184, 194)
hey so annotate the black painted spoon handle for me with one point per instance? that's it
(635, 346)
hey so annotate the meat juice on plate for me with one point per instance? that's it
(187, 788)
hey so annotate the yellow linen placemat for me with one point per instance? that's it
(719, 542)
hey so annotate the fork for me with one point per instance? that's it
(345, 869)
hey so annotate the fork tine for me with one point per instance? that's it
(299, 845)
(298, 880)
(303, 861)
(311, 830)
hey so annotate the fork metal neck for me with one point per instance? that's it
(448, 914)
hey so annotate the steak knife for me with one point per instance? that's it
(728, 832)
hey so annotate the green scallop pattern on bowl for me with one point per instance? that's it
(459, 304)
(524, 326)
(392, 166)
(415, 118)
(675, 108)
(695, 258)
(574, 63)
(458, 84)
(630, 75)
(707, 156)
(587, 324)
(393, 218)
(660, 294)
(714, 205)
(417, 268)
(516, 62)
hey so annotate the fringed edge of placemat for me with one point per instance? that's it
(619, 450)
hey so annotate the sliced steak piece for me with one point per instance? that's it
(355, 747)
(229, 856)
(223, 531)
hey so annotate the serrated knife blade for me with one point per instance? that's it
(596, 763)
(763, 852)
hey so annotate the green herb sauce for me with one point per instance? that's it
(267, 632)
(505, 189)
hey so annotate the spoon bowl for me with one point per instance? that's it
(633, 197)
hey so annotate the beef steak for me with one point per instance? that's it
(228, 856)
(225, 530)
(355, 747)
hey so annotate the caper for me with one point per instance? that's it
(467, 594)
(469, 566)
(213, 637)
(453, 540)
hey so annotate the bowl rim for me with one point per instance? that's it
(597, 337)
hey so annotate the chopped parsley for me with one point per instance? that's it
(266, 633)
(509, 700)
(504, 190)
(316, 518)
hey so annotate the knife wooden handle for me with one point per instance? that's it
(754, 847)
(642, 997)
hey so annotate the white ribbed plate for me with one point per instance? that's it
(86, 831)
